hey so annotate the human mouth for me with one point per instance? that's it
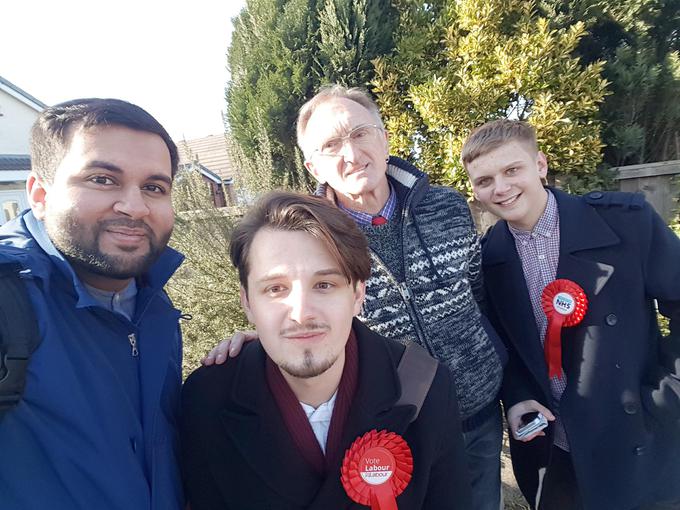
(509, 201)
(355, 170)
(127, 237)
(127, 232)
(306, 335)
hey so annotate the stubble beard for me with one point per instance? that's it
(80, 245)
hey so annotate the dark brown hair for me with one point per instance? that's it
(52, 131)
(294, 212)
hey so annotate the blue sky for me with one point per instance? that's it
(168, 57)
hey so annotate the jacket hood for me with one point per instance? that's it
(410, 183)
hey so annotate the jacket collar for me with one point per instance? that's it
(257, 428)
(44, 261)
(581, 228)
(409, 183)
(585, 228)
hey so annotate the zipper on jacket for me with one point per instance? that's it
(407, 297)
(403, 289)
(405, 292)
(133, 343)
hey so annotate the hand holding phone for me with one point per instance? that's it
(531, 423)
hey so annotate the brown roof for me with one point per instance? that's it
(210, 151)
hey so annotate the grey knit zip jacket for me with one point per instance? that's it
(434, 303)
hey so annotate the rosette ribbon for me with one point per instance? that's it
(376, 469)
(564, 304)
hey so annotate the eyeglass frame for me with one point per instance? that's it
(344, 139)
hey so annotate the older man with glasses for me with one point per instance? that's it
(426, 281)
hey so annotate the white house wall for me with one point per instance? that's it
(16, 119)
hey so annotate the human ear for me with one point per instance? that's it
(542, 165)
(243, 294)
(387, 145)
(311, 168)
(359, 295)
(36, 190)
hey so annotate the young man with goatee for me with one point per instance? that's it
(316, 412)
(573, 285)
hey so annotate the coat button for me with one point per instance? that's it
(611, 319)
(596, 195)
(630, 408)
(133, 443)
(639, 450)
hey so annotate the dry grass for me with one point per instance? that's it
(512, 497)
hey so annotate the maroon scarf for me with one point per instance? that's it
(296, 420)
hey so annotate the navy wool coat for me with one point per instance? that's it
(621, 407)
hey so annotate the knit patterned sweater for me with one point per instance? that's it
(433, 302)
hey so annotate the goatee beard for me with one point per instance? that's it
(309, 368)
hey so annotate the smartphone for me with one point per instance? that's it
(531, 423)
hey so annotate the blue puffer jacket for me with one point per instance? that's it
(97, 427)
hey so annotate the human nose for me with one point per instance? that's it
(501, 186)
(347, 150)
(131, 203)
(300, 305)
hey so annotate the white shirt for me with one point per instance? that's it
(320, 419)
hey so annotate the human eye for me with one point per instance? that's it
(274, 289)
(155, 188)
(332, 145)
(511, 171)
(325, 285)
(360, 133)
(483, 182)
(103, 180)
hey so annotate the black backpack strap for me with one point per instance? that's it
(19, 336)
(416, 372)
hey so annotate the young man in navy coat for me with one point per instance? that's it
(613, 405)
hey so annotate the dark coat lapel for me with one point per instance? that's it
(378, 389)
(581, 229)
(257, 429)
(373, 407)
(510, 301)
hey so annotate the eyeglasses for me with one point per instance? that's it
(361, 136)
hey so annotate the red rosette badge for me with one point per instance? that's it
(376, 469)
(565, 304)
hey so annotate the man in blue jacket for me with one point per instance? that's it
(613, 399)
(96, 427)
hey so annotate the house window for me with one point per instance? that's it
(10, 209)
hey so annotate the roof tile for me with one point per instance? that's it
(210, 151)
(15, 162)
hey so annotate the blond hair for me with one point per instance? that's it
(491, 135)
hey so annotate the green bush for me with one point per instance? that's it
(206, 285)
